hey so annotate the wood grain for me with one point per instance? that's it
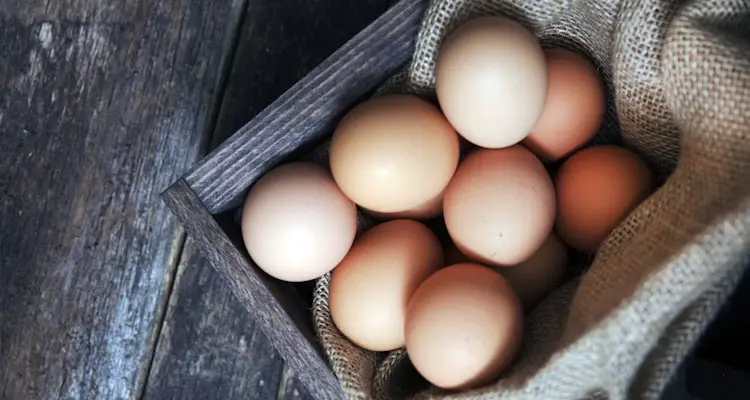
(290, 387)
(309, 110)
(209, 347)
(204, 350)
(277, 310)
(102, 105)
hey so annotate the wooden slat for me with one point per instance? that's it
(198, 352)
(281, 317)
(102, 105)
(309, 110)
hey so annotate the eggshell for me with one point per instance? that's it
(394, 154)
(429, 209)
(500, 206)
(371, 288)
(296, 223)
(464, 325)
(491, 81)
(535, 278)
(597, 188)
(574, 109)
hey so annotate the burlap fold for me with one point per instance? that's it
(678, 76)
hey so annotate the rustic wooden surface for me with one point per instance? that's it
(209, 345)
(102, 105)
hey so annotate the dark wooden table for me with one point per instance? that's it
(102, 105)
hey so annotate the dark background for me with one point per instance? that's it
(102, 105)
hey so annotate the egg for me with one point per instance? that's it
(533, 279)
(500, 206)
(296, 223)
(574, 109)
(394, 155)
(491, 81)
(464, 325)
(429, 209)
(371, 288)
(597, 188)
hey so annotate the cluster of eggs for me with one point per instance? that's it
(506, 107)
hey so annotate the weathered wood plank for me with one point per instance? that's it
(272, 303)
(309, 110)
(209, 347)
(199, 352)
(290, 388)
(102, 105)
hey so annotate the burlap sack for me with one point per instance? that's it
(678, 73)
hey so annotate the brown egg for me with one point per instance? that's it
(491, 81)
(464, 325)
(394, 154)
(371, 288)
(500, 206)
(296, 224)
(574, 109)
(535, 278)
(597, 188)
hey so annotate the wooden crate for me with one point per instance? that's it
(205, 198)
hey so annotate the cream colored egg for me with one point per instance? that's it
(296, 224)
(491, 81)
